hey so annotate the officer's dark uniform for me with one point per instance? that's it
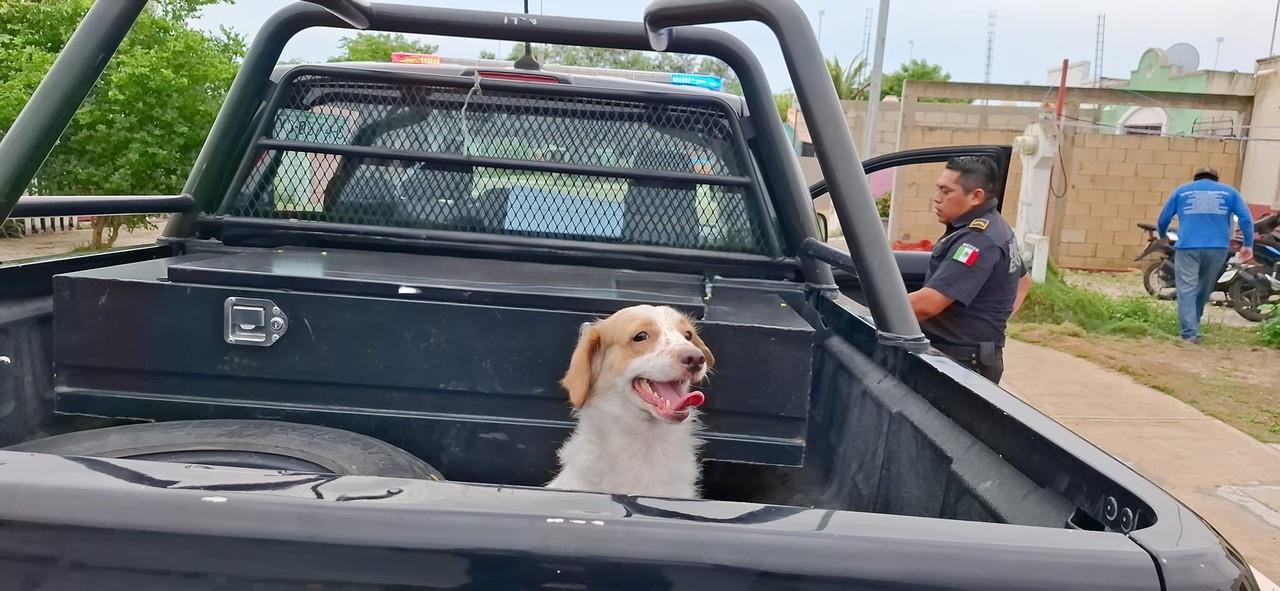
(977, 264)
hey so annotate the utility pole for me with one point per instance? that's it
(991, 45)
(877, 71)
(1099, 43)
(1217, 51)
(1274, 20)
(821, 13)
(866, 35)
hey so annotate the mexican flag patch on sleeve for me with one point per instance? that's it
(967, 254)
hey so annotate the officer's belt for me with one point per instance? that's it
(986, 352)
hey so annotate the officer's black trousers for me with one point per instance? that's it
(989, 365)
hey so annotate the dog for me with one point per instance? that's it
(629, 382)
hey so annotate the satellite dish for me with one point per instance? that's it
(1183, 56)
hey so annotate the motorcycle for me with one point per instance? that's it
(1158, 279)
(1256, 294)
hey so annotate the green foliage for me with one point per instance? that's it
(783, 101)
(848, 79)
(625, 59)
(378, 47)
(883, 202)
(488, 55)
(1269, 333)
(912, 70)
(140, 129)
(1056, 302)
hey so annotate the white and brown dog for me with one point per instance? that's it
(629, 382)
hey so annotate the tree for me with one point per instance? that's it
(848, 79)
(784, 101)
(715, 67)
(488, 55)
(378, 47)
(140, 129)
(626, 59)
(912, 70)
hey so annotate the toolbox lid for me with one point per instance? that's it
(451, 279)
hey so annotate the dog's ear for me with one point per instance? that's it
(582, 366)
(706, 352)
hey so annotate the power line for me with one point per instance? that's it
(1080, 123)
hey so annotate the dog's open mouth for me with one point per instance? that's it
(670, 400)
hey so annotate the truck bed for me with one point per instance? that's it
(457, 361)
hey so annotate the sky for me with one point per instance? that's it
(1032, 36)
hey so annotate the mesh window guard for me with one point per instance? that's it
(445, 153)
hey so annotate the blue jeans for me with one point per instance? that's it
(1196, 271)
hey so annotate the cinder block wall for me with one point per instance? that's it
(1117, 181)
(911, 217)
(1112, 182)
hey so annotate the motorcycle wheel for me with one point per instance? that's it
(1248, 299)
(1158, 282)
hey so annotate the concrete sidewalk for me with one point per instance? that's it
(1229, 478)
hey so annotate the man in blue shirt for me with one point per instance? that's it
(1204, 208)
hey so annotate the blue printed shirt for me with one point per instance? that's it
(1204, 209)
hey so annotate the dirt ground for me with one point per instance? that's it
(1130, 284)
(1233, 383)
(56, 243)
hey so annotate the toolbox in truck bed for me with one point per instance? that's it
(458, 359)
(446, 279)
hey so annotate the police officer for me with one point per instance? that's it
(976, 276)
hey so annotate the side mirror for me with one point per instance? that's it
(822, 226)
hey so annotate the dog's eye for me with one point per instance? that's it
(640, 336)
(688, 335)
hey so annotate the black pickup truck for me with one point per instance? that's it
(338, 368)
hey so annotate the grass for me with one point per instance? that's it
(1229, 377)
(1269, 332)
(1055, 302)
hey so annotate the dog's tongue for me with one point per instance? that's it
(669, 392)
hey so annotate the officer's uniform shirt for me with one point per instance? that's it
(977, 264)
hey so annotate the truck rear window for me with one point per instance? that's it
(566, 162)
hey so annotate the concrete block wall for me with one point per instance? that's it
(911, 216)
(855, 116)
(1116, 181)
(1113, 182)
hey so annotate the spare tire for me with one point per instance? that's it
(271, 445)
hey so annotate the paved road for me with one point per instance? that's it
(1229, 478)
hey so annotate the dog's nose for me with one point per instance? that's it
(693, 359)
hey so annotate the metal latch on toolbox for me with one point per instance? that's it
(253, 321)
